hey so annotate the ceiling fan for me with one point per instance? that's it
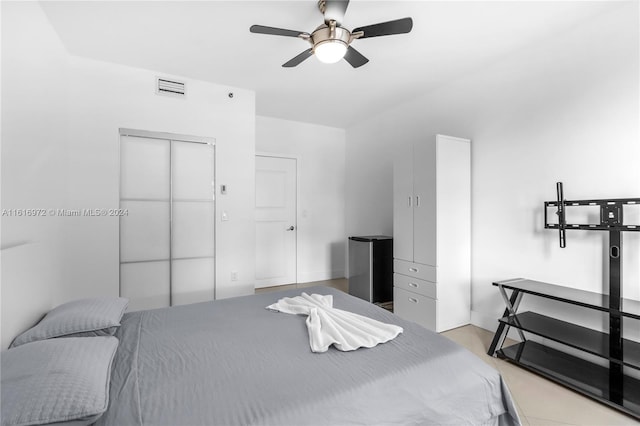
(331, 42)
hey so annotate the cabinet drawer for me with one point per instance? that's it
(423, 272)
(414, 307)
(415, 285)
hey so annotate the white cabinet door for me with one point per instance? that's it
(424, 215)
(454, 227)
(403, 205)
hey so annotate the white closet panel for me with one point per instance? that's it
(191, 280)
(144, 232)
(192, 171)
(144, 168)
(145, 284)
(192, 232)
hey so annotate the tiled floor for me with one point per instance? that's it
(340, 284)
(539, 401)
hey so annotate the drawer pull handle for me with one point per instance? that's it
(414, 285)
(413, 269)
(411, 299)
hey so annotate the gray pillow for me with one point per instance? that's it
(80, 318)
(57, 380)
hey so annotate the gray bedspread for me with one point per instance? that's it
(233, 362)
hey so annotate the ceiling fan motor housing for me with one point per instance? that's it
(325, 33)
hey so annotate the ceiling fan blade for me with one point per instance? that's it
(335, 9)
(399, 26)
(355, 58)
(261, 29)
(298, 59)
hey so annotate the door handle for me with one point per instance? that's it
(291, 228)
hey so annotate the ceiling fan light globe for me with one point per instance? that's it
(330, 51)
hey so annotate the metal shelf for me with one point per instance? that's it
(575, 336)
(587, 299)
(582, 376)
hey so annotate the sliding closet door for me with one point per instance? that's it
(167, 254)
(192, 246)
(145, 232)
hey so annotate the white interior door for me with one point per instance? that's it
(276, 227)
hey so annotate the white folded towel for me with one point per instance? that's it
(330, 326)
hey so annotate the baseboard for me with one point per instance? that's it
(308, 277)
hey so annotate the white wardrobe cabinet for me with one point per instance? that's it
(432, 233)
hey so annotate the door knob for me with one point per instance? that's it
(291, 228)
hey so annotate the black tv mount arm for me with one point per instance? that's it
(611, 219)
(562, 222)
(611, 214)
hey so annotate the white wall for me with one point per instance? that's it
(33, 163)
(563, 110)
(106, 97)
(320, 151)
(61, 116)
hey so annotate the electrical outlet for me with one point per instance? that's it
(234, 275)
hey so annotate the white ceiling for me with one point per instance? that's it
(210, 40)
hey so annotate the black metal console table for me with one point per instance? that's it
(612, 385)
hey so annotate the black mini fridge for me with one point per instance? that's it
(371, 268)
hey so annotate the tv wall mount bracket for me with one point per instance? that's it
(611, 214)
(611, 220)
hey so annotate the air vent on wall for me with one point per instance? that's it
(170, 87)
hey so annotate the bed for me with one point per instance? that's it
(233, 362)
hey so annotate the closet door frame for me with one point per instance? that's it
(170, 138)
